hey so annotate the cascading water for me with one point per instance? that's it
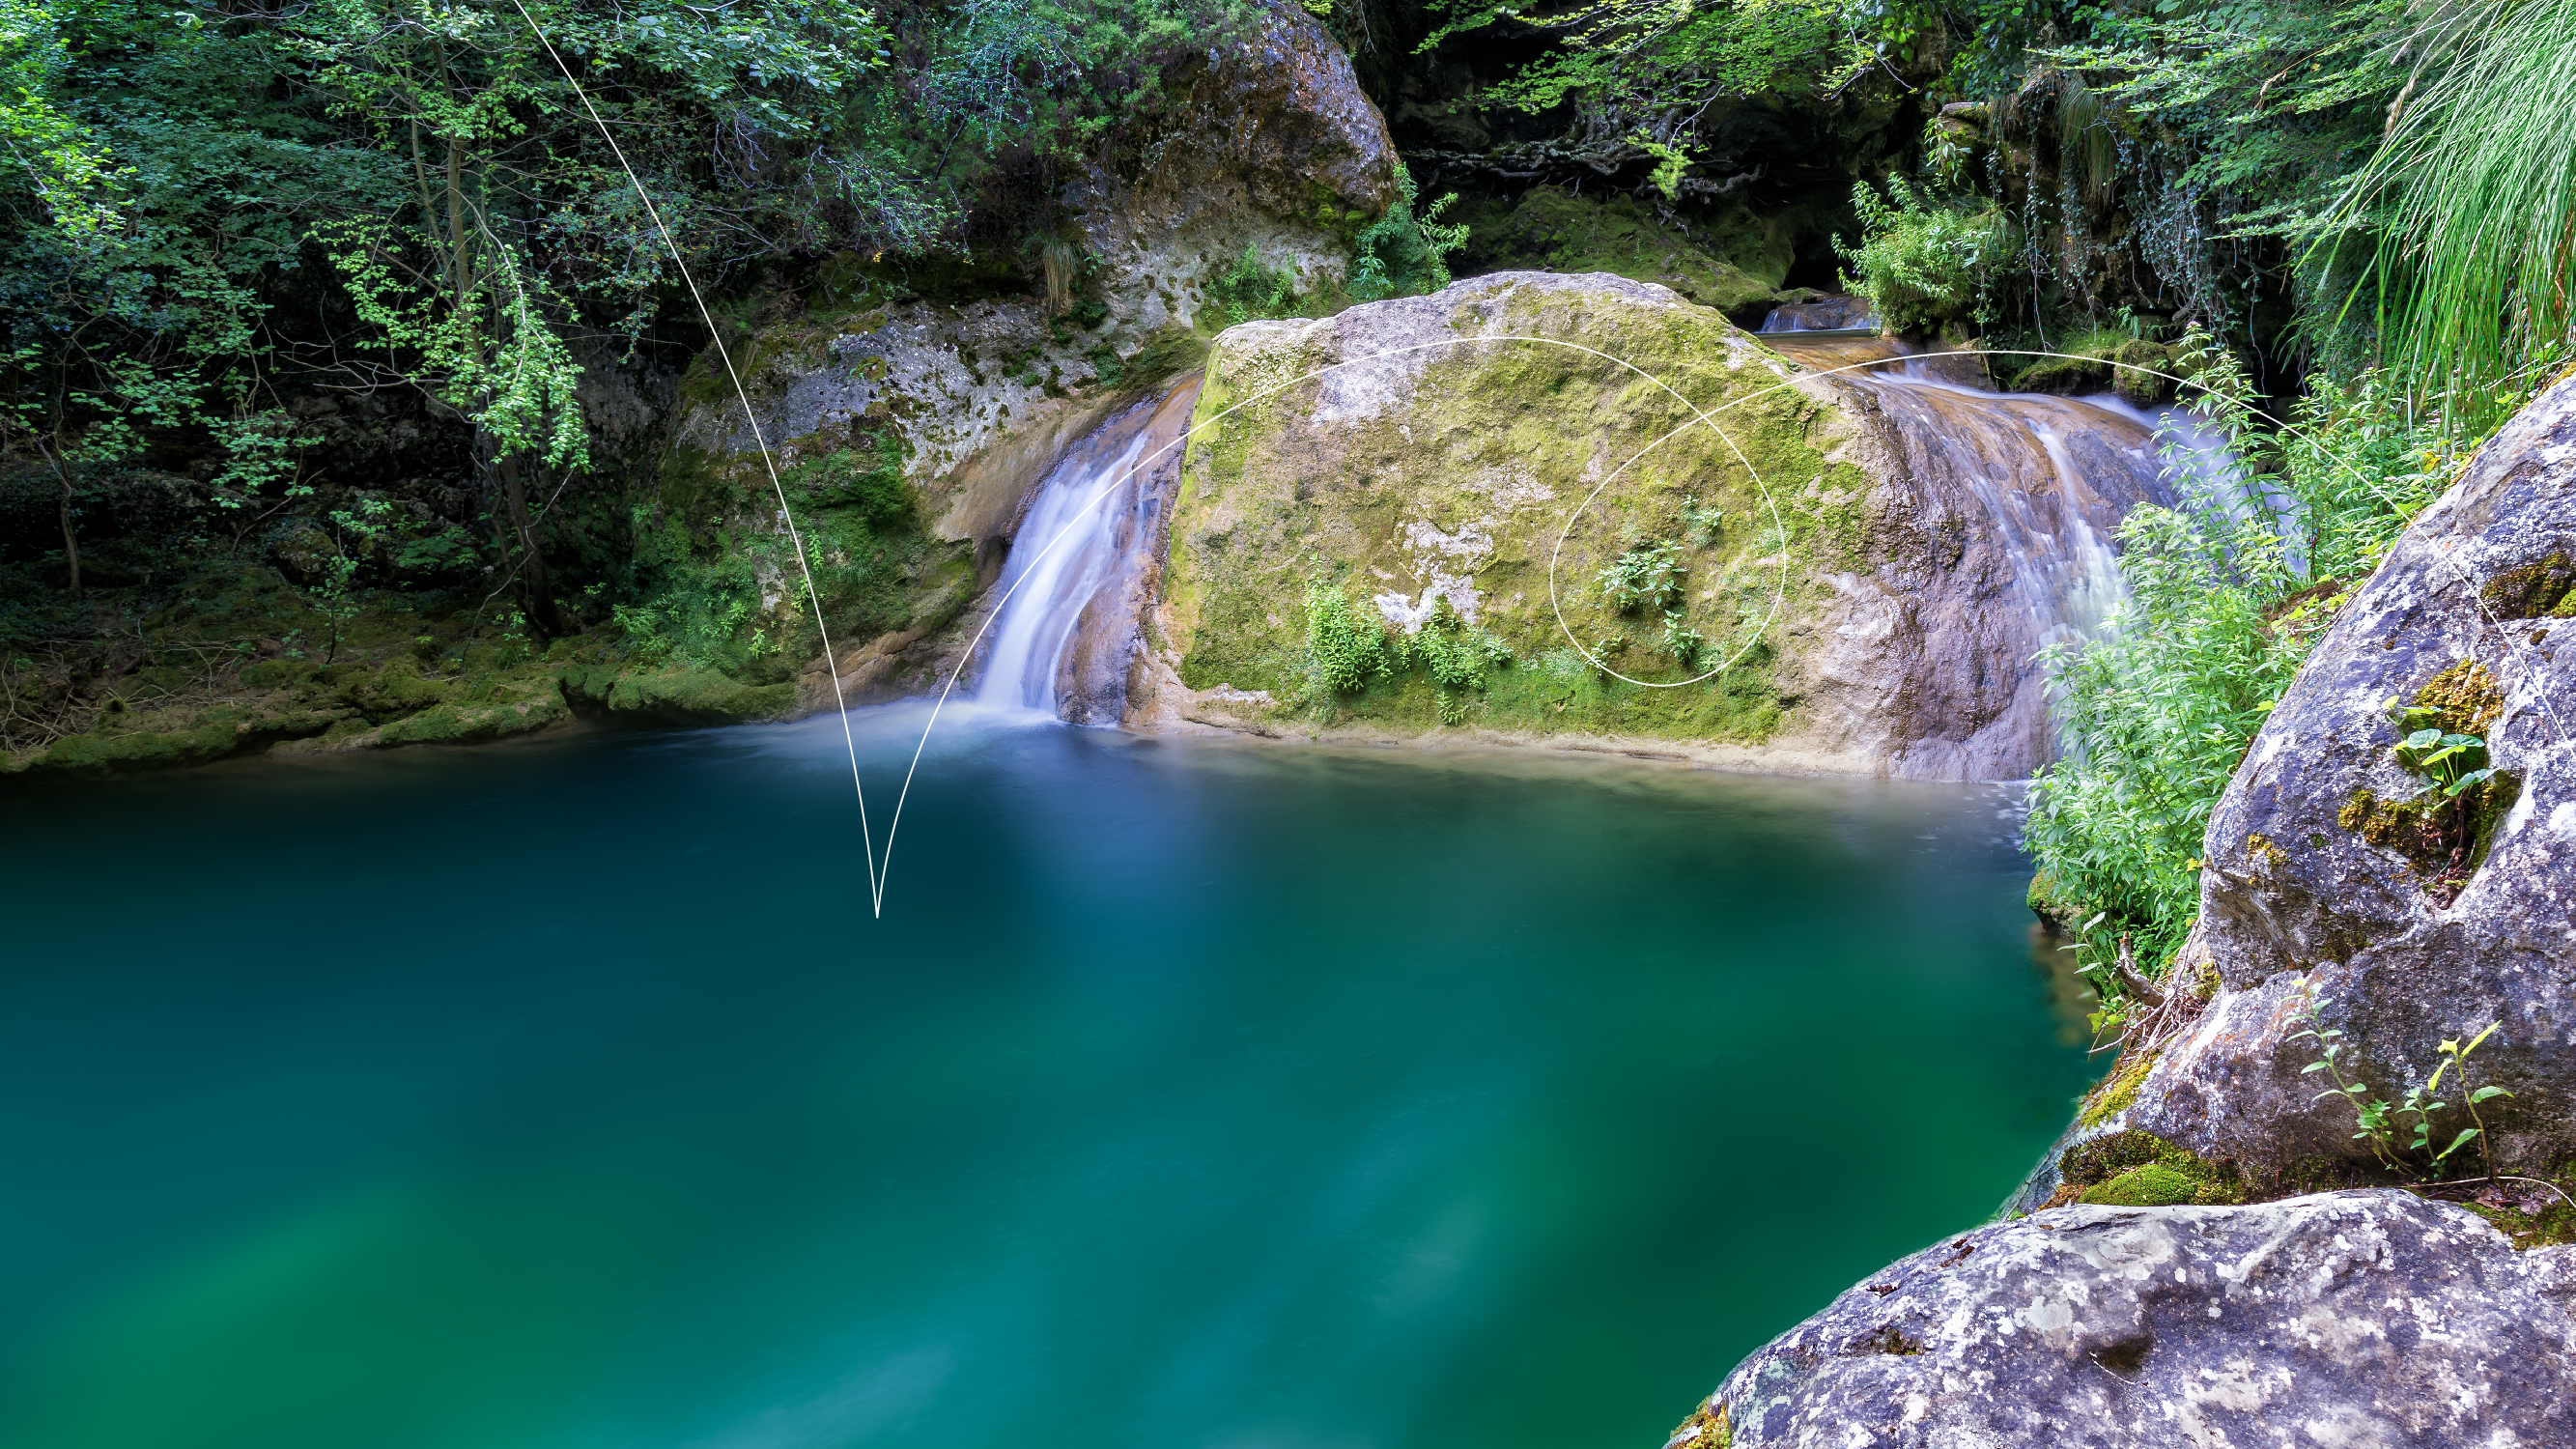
(2032, 486)
(1075, 583)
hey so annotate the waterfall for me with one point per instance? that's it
(1077, 575)
(2032, 486)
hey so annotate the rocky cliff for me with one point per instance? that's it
(2360, 903)
(2336, 873)
(1274, 154)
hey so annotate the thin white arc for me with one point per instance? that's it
(967, 656)
(876, 878)
(876, 889)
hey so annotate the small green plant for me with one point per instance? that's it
(1250, 291)
(1647, 576)
(1704, 525)
(1456, 655)
(2450, 762)
(360, 530)
(2397, 1145)
(1681, 641)
(1345, 647)
(1404, 253)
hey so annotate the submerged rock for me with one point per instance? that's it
(2366, 1318)
(2329, 873)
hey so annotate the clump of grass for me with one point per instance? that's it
(2468, 198)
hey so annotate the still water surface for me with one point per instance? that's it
(1190, 1095)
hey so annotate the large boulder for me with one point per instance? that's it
(2363, 1318)
(1871, 612)
(2327, 878)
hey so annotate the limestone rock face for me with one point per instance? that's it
(1269, 144)
(2315, 882)
(2365, 1318)
(1862, 604)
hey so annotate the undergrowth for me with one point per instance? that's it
(2230, 591)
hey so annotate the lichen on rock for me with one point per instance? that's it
(2365, 1317)
(2408, 940)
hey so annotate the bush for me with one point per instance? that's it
(1922, 263)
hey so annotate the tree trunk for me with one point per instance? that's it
(71, 545)
(532, 561)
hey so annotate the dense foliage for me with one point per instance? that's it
(2228, 593)
(217, 210)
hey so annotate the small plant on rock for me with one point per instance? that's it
(1681, 641)
(1346, 648)
(1456, 655)
(2397, 1145)
(1647, 576)
(1704, 525)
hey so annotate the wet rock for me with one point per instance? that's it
(1267, 144)
(2365, 1318)
(1867, 605)
(2319, 878)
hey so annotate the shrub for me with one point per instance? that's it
(1920, 262)
(1345, 647)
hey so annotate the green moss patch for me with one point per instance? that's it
(1557, 231)
(2140, 1169)
(2100, 358)
(2543, 589)
(2116, 1091)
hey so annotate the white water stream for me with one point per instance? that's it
(1061, 642)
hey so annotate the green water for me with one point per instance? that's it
(1188, 1096)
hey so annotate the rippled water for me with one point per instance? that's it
(1189, 1095)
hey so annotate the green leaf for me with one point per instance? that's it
(2484, 1093)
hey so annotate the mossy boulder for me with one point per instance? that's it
(1474, 471)
(1449, 482)
(2135, 368)
(1560, 231)
(677, 694)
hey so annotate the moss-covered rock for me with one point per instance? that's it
(1451, 482)
(679, 695)
(2139, 1169)
(1559, 231)
(2135, 368)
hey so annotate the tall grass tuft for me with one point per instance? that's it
(2473, 200)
